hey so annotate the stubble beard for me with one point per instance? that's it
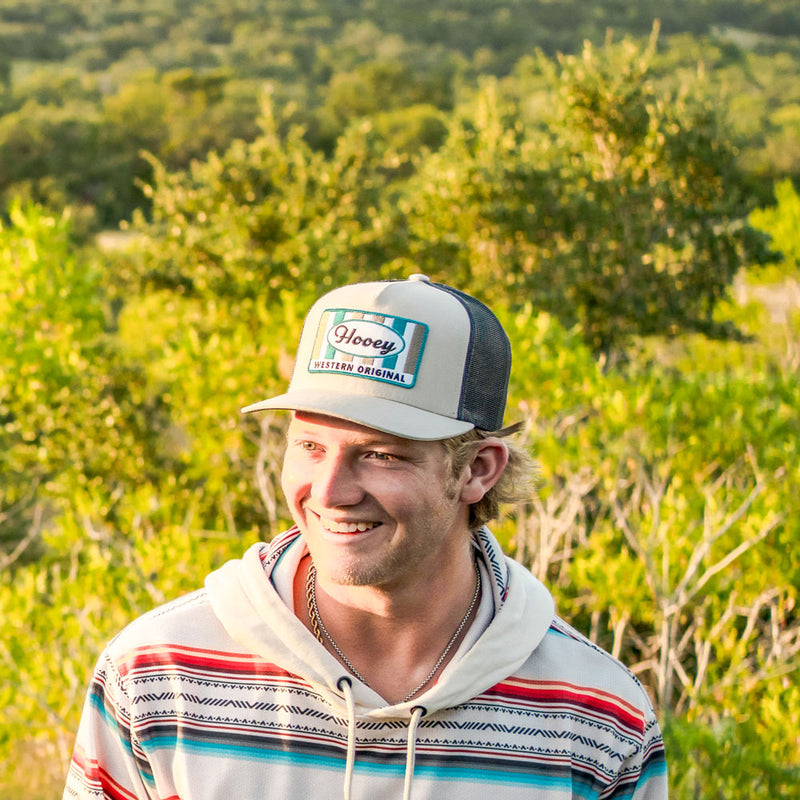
(360, 574)
(406, 558)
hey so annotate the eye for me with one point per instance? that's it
(380, 455)
(308, 446)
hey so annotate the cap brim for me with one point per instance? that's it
(373, 412)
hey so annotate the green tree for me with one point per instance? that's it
(74, 420)
(48, 153)
(85, 449)
(613, 204)
(667, 505)
(782, 224)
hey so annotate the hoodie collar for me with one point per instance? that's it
(253, 613)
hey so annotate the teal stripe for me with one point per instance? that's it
(434, 772)
(398, 325)
(656, 768)
(100, 707)
(110, 720)
(248, 753)
(330, 352)
(523, 778)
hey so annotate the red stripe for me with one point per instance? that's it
(158, 656)
(96, 775)
(552, 693)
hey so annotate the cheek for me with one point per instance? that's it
(290, 480)
(286, 474)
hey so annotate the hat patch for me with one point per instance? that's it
(368, 345)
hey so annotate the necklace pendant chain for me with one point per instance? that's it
(322, 634)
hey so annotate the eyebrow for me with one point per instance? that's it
(370, 440)
(377, 442)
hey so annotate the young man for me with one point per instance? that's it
(384, 647)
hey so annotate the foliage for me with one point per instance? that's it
(597, 201)
(85, 151)
(73, 417)
(265, 217)
(663, 494)
(725, 760)
(781, 223)
(94, 86)
(56, 618)
(633, 462)
(617, 208)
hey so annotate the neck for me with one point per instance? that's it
(395, 641)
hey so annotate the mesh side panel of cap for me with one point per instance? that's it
(488, 365)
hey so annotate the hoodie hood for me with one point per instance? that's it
(251, 610)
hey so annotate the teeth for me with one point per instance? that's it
(348, 527)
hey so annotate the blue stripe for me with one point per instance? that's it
(245, 752)
(330, 353)
(435, 772)
(399, 325)
(655, 768)
(97, 699)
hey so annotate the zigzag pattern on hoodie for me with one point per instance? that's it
(178, 709)
(193, 703)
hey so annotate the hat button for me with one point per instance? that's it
(419, 277)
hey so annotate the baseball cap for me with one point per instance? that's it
(413, 358)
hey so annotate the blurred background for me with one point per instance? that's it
(179, 180)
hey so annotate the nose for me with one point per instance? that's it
(334, 482)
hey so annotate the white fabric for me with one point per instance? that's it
(225, 693)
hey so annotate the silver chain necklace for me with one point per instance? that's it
(320, 630)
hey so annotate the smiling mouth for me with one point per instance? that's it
(347, 527)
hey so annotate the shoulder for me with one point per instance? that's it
(572, 697)
(563, 639)
(587, 676)
(192, 619)
(187, 621)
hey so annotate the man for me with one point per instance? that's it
(384, 647)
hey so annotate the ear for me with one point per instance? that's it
(484, 470)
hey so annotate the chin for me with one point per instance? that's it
(363, 574)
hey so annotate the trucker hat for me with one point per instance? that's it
(412, 358)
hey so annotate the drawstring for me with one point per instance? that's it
(345, 686)
(417, 713)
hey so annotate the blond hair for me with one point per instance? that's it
(516, 484)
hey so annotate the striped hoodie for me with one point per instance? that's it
(225, 694)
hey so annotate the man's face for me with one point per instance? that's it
(375, 509)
